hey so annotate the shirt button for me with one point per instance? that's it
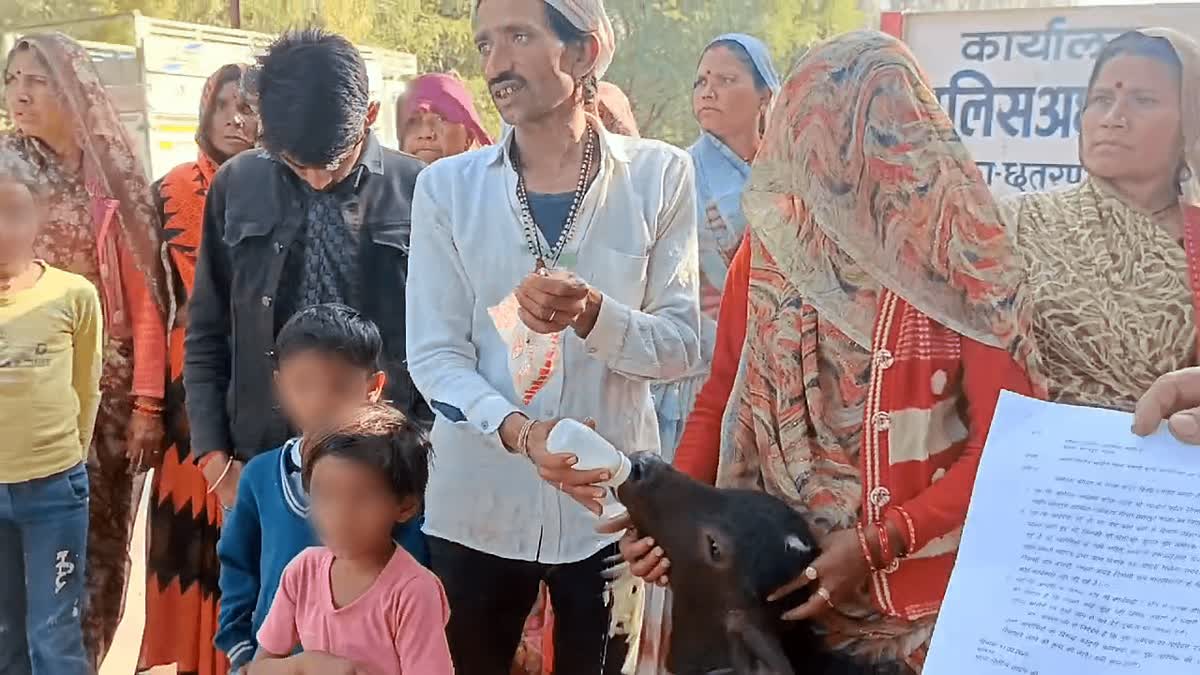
(278, 247)
(880, 496)
(484, 425)
(884, 359)
(592, 350)
(266, 301)
(882, 421)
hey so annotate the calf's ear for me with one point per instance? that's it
(755, 650)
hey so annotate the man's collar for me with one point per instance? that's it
(372, 154)
(610, 144)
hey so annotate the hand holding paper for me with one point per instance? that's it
(550, 300)
(1079, 553)
(1175, 397)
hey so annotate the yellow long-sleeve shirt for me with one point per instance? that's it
(50, 362)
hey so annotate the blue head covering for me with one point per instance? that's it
(721, 175)
(759, 54)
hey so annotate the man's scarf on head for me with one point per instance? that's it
(590, 17)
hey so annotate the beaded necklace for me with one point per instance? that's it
(529, 225)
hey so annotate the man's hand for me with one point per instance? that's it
(551, 301)
(214, 470)
(1175, 397)
(645, 559)
(556, 468)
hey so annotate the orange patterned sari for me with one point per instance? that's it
(184, 521)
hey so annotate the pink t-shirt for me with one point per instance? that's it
(398, 626)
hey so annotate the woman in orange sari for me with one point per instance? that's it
(184, 518)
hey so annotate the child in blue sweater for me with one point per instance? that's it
(326, 363)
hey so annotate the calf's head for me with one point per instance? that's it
(729, 549)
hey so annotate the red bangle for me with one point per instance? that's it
(866, 550)
(886, 558)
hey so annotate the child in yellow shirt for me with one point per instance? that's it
(50, 360)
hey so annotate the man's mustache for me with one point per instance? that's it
(507, 77)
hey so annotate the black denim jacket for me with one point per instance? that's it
(253, 212)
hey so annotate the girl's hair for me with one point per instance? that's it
(1134, 43)
(382, 437)
(736, 48)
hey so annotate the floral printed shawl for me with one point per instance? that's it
(122, 207)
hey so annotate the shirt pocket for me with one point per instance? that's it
(620, 275)
(243, 231)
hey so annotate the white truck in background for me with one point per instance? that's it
(156, 82)
(1014, 80)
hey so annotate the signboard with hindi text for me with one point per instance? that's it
(1014, 81)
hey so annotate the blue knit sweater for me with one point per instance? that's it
(266, 529)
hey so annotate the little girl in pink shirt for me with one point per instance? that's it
(360, 604)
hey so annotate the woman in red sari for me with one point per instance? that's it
(885, 314)
(101, 225)
(184, 520)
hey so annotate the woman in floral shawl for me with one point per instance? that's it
(184, 521)
(102, 225)
(885, 316)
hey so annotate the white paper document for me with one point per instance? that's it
(1081, 552)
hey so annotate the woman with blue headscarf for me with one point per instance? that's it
(735, 83)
